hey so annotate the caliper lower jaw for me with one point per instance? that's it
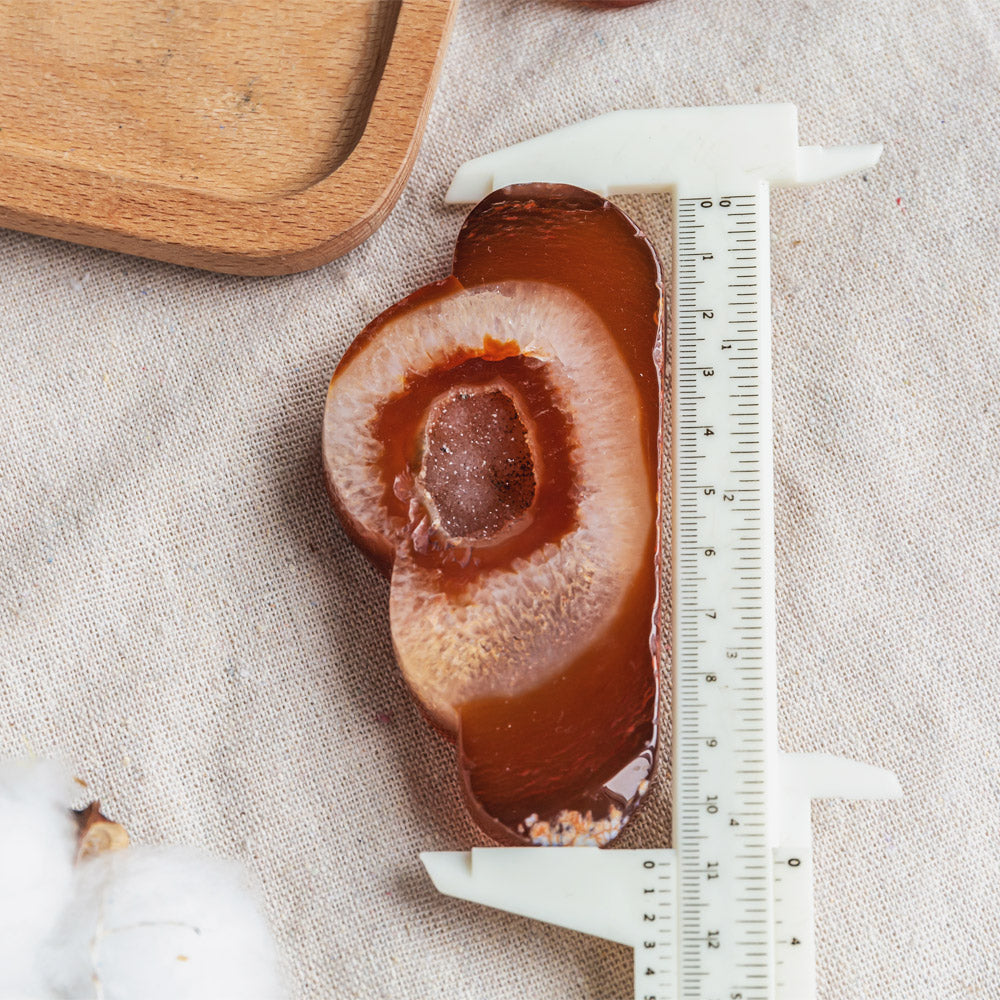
(603, 892)
(803, 777)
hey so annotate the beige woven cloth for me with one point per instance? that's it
(183, 620)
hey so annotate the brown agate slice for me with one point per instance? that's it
(492, 444)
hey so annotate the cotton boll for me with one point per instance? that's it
(163, 924)
(134, 924)
(37, 847)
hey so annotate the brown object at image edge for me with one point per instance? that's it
(52, 196)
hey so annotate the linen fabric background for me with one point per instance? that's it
(183, 620)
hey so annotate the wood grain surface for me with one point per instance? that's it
(254, 138)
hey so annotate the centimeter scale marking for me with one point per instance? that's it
(723, 641)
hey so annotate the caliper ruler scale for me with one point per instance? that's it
(726, 914)
(723, 641)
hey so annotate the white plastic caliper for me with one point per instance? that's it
(727, 913)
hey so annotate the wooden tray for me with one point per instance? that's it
(262, 137)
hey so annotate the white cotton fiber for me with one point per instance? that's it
(165, 923)
(143, 923)
(37, 846)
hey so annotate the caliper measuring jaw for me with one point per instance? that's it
(726, 913)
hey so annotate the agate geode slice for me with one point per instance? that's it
(492, 444)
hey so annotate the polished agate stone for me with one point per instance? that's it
(492, 444)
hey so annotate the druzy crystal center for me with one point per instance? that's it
(478, 468)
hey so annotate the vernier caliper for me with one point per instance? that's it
(726, 913)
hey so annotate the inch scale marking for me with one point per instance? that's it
(726, 914)
(724, 585)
